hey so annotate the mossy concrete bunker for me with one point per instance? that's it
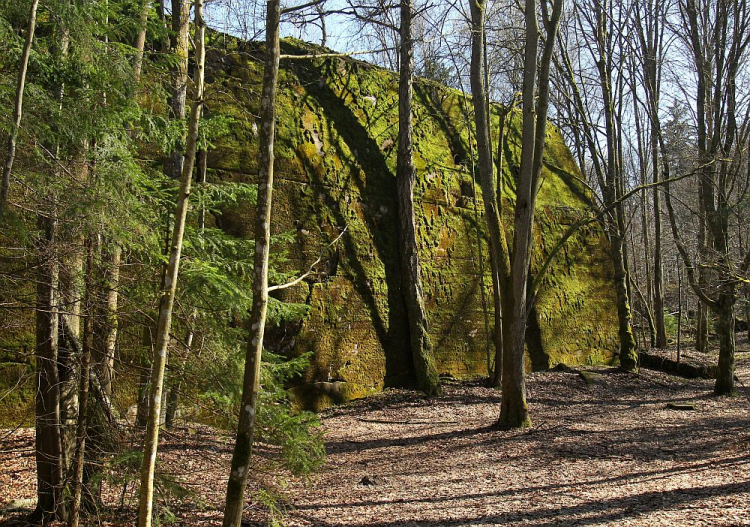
(335, 166)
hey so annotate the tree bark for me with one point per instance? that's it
(83, 393)
(170, 284)
(660, 326)
(411, 281)
(606, 170)
(498, 245)
(106, 320)
(514, 411)
(18, 108)
(140, 42)
(179, 44)
(628, 352)
(49, 457)
(651, 38)
(725, 329)
(251, 382)
(612, 178)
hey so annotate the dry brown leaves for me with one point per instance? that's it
(610, 453)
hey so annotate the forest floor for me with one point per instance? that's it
(607, 453)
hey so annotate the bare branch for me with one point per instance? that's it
(311, 268)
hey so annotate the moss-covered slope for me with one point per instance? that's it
(335, 161)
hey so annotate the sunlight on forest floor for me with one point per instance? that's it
(608, 453)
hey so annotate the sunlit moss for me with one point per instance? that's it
(335, 161)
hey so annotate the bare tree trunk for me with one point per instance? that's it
(411, 281)
(18, 108)
(71, 292)
(661, 329)
(606, 166)
(612, 180)
(497, 376)
(679, 311)
(645, 224)
(49, 455)
(514, 411)
(725, 329)
(628, 352)
(106, 322)
(170, 283)
(650, 32)
(649, 281)
(498, 246)
(83, 392)
(251, 382)
(140, 41)
(180, 27)
(701, 324)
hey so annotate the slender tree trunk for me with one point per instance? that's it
(651, 54)
(140, 40)
(170, 284)
(628, 352)
(649, 281)
(180, 41)
(679, 312)
(612, 181)
(498, 246)
(18, 108)
(661, 329)
(174, 391)
(251, 382)
(106, 321)
(71, 292)
(701, 325)
(411, 281)
(498, 338)
(49, 455)
(725, 330)
(607, 170)
(514, 411)
(83, 392)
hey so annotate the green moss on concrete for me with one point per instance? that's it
(335, 163)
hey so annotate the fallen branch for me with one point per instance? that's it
(408, 422)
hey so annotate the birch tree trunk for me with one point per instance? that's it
(106, 321)
(251, 381)
(170, 284)
(411, 280)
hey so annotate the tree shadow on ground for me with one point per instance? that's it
(597, 512)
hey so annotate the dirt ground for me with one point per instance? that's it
(607, 453)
